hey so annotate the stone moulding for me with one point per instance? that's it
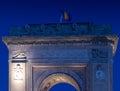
(111, 40)
(51, 75)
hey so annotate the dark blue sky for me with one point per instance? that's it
(21, 12)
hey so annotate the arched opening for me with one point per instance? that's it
(63, 87)
(56, 79)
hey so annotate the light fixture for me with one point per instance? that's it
(18, 74)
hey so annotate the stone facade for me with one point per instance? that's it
(41, 56)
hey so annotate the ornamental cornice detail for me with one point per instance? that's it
(111, 40)
(48, 43)
(69, 40)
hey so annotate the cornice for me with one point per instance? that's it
(111, 40)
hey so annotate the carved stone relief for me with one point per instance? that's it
(18, 72)
(19, 56)
(100, 74)
(98, 53)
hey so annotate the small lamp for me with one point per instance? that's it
(18, 74)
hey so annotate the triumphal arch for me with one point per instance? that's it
(43, 55)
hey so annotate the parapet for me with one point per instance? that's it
(61, 29)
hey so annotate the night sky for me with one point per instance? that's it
(22, 12)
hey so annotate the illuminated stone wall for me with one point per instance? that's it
(37, 62)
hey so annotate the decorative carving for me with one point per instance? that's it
(103, 29)
(18, 72)
(64, 29)
(100, 75)
(97, 53)
(19, 56)
(64, 42)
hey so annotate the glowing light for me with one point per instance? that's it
(18, 75)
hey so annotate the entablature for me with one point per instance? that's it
(110, 40)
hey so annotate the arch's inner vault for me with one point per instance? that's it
(54, 79)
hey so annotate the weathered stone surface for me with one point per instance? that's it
(79, 54)
(63, 29)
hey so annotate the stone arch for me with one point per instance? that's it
(54, 79)
(73, 77)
